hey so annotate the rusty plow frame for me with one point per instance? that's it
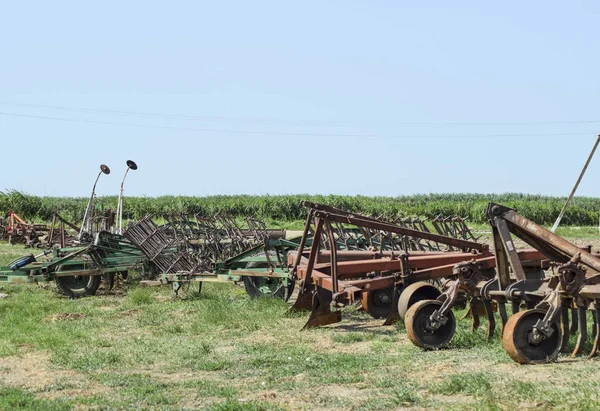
(387, 276)
(542, 294)
(555, 306)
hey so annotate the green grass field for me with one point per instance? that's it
(138, 348)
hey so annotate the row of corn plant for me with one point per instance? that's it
(583, 211)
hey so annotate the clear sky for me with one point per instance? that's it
(255, 97)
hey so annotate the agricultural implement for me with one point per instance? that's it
(17, 231)
(186, 252)
(539, 333)
(544, 310)
(78, 271)
(387, 276)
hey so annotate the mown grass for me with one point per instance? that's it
(221, 350)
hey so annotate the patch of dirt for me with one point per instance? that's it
(556, 374)
(305, 399)
(65, 317)
(126, 313)
(32, 370)
(159, 372)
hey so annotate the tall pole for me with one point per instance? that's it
(131, 165)
(85, 225)
(562, 212)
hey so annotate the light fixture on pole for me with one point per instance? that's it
(130, 166)
(86, 225)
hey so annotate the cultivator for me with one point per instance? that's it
(539, 333)
(15, 230)
(543, 311)
(371, 261)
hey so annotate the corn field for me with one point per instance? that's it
(583, 211)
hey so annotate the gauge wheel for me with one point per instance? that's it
(418, 325)
(416, 292)
(518, 342)
(378, 303)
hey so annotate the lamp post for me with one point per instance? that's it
(86, 225)
(130, 166)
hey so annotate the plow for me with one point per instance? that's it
(538, 312)
(15, 230)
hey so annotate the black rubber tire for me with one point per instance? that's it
(77, 286)
(252, 284)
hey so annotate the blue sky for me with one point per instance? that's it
(343, 97)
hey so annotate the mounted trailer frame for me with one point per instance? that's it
(78, 270)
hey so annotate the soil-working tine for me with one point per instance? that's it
(596, 314)
(304, 299)
(475, 314)
(595, 319)
(503, 315)
(394, 317)
(582, 337)
(564, 325)
(321, 313)
(596, 332)
(515, 306)
(574, 321)
(466, 315)
(489, 311)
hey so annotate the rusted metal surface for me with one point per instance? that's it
(394, 229)
(61, 232)
(15, 230)
(159, 248)
(543, 311)
(374, 276)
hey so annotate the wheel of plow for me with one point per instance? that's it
(378, 303)
(416, 292)
(422, 331)
(524, 344)
(76, 286)
(272, 287)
